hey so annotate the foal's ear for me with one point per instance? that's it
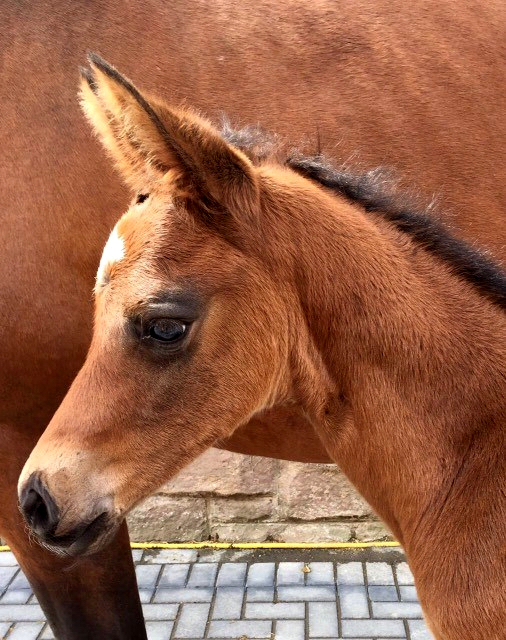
(148, 139)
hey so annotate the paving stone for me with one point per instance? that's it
(146, 595)
(261, 574)
(260, 594)
(353, 601)
(213, 555)
(266, 610)
(7, 559)
(321, 573)
(373, 628)
(147, 575)
(236, 629)
(174, 575)
(185, 588)
(232, 575)
(20, 582)
(26, 630)
(6, 575)
(137, 555)
(46, 634)
(20, 612)
(290, 630)
(379, 573)
(307, 594)
(323, 620)
(159, 630)
(228, 603)
(160, 611)
(383, 594)
(192, 621)
(419, 631)
(350, 573)
(290, 573)
(404, 575)
(202, 575)
(408, 594)
(163, 556)
(16, 596)
(199, 594)
(396, 610)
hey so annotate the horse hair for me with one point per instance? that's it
(373, 191)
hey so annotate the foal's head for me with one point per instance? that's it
(197, 326)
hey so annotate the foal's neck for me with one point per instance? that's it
(416, 357)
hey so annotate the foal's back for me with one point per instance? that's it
(417, 86)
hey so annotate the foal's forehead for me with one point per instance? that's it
(146, 233)
(128, 239)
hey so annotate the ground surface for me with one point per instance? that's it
(295, 595)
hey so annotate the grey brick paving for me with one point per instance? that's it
(290, 630)
(232, 575)
(193, 620)
(323, 620)
(275, 611)
(321, 573)
(174, 575)
(203, 575)
(354, 602)
(261, 574)
(188, 597)
(373, 628)
(260, 594)
(228, 603)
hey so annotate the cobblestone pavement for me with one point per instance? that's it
(245, 595)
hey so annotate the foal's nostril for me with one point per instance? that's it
(38, 507)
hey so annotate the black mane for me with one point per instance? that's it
(373, 192)
(369, 190)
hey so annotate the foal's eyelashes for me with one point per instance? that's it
(142, 197)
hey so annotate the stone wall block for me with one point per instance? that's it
(225, 474)
(317, 491)
(283, 531)
(163, 518)
(241, 509)
(370, 531)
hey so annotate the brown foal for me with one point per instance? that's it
(236, 284)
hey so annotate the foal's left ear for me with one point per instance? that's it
(147, 139)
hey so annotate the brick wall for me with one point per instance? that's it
(229, 497)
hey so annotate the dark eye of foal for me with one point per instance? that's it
(166, 330)
(141, 198)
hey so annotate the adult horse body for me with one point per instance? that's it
(416, 87)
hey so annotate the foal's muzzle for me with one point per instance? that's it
(43, 516)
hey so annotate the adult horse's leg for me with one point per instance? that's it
(94, 597)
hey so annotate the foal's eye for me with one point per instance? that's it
(141, 198)
(167, 330)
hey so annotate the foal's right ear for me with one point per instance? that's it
(147, 139)
(125, 123)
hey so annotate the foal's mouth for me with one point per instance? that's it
(86, 539)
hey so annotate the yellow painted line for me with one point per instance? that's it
(262, 545)
(256, 545)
